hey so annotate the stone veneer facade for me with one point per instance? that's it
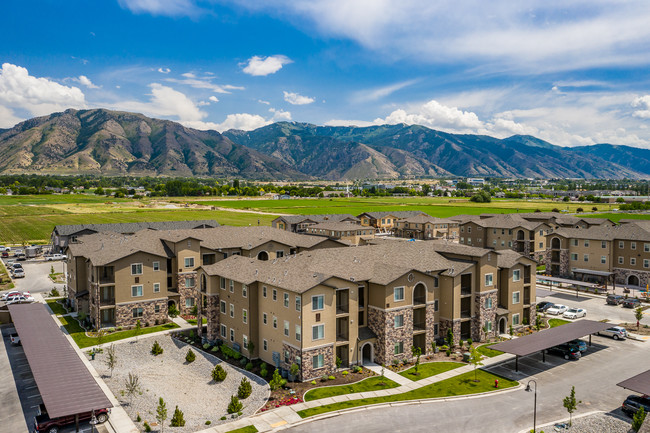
(308, 371)
(212, 314)
(565, 270)
(430, 320)
(382, 323)
(532, 314)
(623, 274)
(445, 324)
(186, 292)
(294, 353)
(484, 314)
(124, 313)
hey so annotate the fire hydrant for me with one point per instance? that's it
(496, 383)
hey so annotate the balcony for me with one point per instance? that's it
(419, 295)
(342, 309)
(106, 275)
(555, 256)
(342, 302)
(342, 330)
(419, 320)
(466, 284)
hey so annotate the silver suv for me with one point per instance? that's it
(616, 332)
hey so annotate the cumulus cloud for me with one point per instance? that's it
(261, 101)
(280, 115)
(438, 116)
(262, 66)
(297, 99)
(213, 98)
(164, 70)
(243, 121)
(167, 102)
(85, 81)
(35, 96)
(643, 105)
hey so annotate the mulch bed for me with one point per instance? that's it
(631, 327)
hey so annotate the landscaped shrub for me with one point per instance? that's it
(156, 349)
(243, 361)
(147, 427)
(323, 378)
(190, 357)
(206, 346)
(138, 418)
(330, 378)
(215, 349)
(223, 418)
(249, 366)
(228, 352)
(245, 389)
(264, 372)
(357, 369)
(218, 373)
(470, 341)
(276, 380)
(345, 373)
(208, 422)
(235, 405)
(313, 382)
(178, 420)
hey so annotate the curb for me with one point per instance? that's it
(582, 415)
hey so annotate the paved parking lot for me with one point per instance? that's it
(36, 276)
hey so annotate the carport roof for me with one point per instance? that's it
(639, 383)
(547, 338)
(64, 382)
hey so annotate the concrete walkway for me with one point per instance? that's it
(388, 373)
(285, 416)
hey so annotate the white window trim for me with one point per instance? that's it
(141, 268)
(395, 299)
(395, 321)
(185, 261)
(518, 319)
(232, 311)
(155, 265)
(286, 328)
(491, 280)
(312, 303)
(265, 345)
(141, 291)
(154, 287)
(312, 332)
(518, 293)
(516, 272)
(244, 315)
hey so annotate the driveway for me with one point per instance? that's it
(36, 276)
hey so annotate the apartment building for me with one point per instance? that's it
(385, 222)
(618, 254)
(363, 304)
(355, 234)
(300, 223)
(423, 227)
(119, 279)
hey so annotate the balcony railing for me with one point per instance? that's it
(107, 301)
(465, 291)
(421, 326)
(342, 337)
(465, 314)
(527, 280)
(107, 279)
(342, 309)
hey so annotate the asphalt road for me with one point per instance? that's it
(36, 276)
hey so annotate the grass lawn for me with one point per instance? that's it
(79, 335)
(485, 350)
(56, 307)
(371, 384)
(460, 385)
(194, 321)
(552, 323)
(616, 217)
(430, 369)
(247, 429)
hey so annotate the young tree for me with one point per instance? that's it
(638, 419)
(450, 338)
(251, 348)
(161, 414)
(235, 405)
(416, 351)
(178, 419)
(475, 359)
(276, 380)
(137, 330)
(245, 389)
(132, 386)
(100, 337)
(111, 358)
(218, 373)
(190, 357)
(638, 315)
(156, 349)
(570, 403)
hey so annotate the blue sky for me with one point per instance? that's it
(572, 74)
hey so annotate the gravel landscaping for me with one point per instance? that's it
(597, 423)
(190, 386)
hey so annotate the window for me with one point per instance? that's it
(156, 308)
(298, 332)
(489, 279)
(232, 335)
(541, 232)
(494, 242)
(156, 287)
(318, 361)
(574, 257)
(232, 310)
(516, 275)
(286, 328)
(646, 248)
(621, 244)
(603, 244)
(244, 315)
(515, 297)
(398, 294)
(515, 319)
(541, 245)
(317, 302)
(156, 266)
(137, 312)
(279, 254)
(136, 291)
(435, 329)
(633, 261)
(223, 307)
(317, 332)
(275, 322)
(189, 302)
(586, 257)
(286, 356)
(488, 325)
(231, 286)
(435, 305)
(586, 242)
(189, 262)
(244, 290)
(574, 242)
(603, 259)
(189, 281)
(265, 345)
(275, 294)
(633, 245)
(435, 282)
(399, 321)
(245, 341)
(620, 260)
(222, 283)
(646, 263)
(469, 229)
(223, 331)
(286, 300)
(298, 303)
(264, 291)
(264, 318)
(399, 348)
(494, 231)
(503, 243)
(136, 269)
(488, 303)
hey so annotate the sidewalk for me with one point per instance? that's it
(287, 415)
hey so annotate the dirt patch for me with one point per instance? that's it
(631, 327)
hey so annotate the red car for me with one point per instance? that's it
(43, 423)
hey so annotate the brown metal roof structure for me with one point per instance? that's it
(639, 383)
(547, 338)
(64, 382)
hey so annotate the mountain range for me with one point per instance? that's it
(100, 141)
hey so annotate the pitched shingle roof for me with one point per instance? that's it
(67, 230)
(401, 214)
(297, 219)
(507, 221)
(342, 226)
(422, 219)
(606, 233)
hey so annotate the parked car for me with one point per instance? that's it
(3, 248)
(544, 305)
(43, 423)
(633, 403)
(55, 257)
(14, 293)
(16, 265)
(15, 339)
(614, 299)
(631, 303)
(566, 350)
(557, 309)
(19, 298)
(19, 273)
(21, 256)
(574, 313)
(582, 346)
(616, 332)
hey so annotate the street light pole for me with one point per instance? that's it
(528, 389)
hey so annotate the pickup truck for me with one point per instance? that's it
(43, 423)
(15, 339)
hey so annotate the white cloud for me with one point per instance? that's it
(263, 102)
(7, 118)
(262, 66)
(643, 103)
(85, 81)
(380, 92)
(437, 116)
(213, 98)
(35, 96)
(343, 122)
(195, 82)
(162, 7)
(243, 121)
(280, 115)
(296, 99)
(165, 101)
(164, 70)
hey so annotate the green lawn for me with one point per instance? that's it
(247, 429)
(195, 321)
(460, 385)
(552, 323)
(56, 307)
(485, 350)
(79, 335)
(616, 217)
(430, 369)
(371, 384)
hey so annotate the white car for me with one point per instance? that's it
(3, 248)
(574, 313)
(616, 332)
(55, 257)
(19, 298)
(14, 293)
(557, 309)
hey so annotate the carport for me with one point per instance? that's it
(542, 340)
(65, 384)
(639, 383)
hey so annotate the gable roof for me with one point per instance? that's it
(68, 230)
(297, 219)
(423, 219)
(631, 232)
(506, 221)
(397, 214)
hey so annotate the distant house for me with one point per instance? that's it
(426, 227)
(346, 231)
(386, 221)
(300, 223)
